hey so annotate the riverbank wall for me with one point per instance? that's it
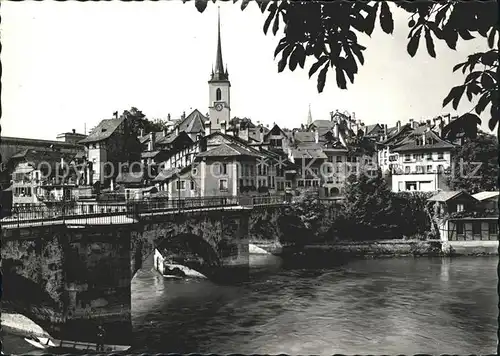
(368, 249)
(383, 248)
(470, 248)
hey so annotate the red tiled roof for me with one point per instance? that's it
(228, 150)
(449, 195)
(193, 123)
(130, 177)
(103, 131)
(410, 142)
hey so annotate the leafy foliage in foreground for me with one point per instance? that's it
(328, 31)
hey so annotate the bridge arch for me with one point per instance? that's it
(28, 298)
(192, 251)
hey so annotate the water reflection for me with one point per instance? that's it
(445, 269)
(391, 306)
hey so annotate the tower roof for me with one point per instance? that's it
(309, 116)
(219, 73)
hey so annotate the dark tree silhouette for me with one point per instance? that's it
(139, 121)
(475, 166)
(328, 31)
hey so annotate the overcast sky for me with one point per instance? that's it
(67, 64)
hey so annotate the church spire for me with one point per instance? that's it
(219, 73)
(309, 117)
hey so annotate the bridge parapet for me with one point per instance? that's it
(111, 213)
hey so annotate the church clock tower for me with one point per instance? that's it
(219, 107)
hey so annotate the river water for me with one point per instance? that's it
(390, 306)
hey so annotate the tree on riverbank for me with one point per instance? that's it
(367, 209)
(328, 31)
(371, 211)
(480, 153)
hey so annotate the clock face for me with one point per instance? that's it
(218, 107)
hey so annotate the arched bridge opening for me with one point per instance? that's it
(190, 250)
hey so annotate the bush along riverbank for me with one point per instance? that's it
(370, 222)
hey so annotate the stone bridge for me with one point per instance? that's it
(73, 273)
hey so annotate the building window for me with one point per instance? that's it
(180, 185)
(224, 168)
(407, 169)
(460, 228)
(460, 207)
(241, 182)
(420, 169)
(493, 228)
(440, 168)
(300, 183)
(218, 94)
(440, 155)
(429, 156)
(308, 183)
(192, 185)
(407, 157)
(429, 168)
(476, 228)
(223, 185)
(339, 159)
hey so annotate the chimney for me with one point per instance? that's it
(411, 123)
(439, 126)
(208, 125)
(353, 116)
(223, 127)
(151, 141)
(74, 131)
(398, 126)
(331, 115)
(447, 119)
(423, 138)
(316, 136)
(385, 129)
(165, 131)
(183, 116)
(336, 130)
(141, 132)
(177, 130)
(168, 116)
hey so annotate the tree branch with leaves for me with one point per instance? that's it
(328, 32)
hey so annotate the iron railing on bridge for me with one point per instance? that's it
(106, 213)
